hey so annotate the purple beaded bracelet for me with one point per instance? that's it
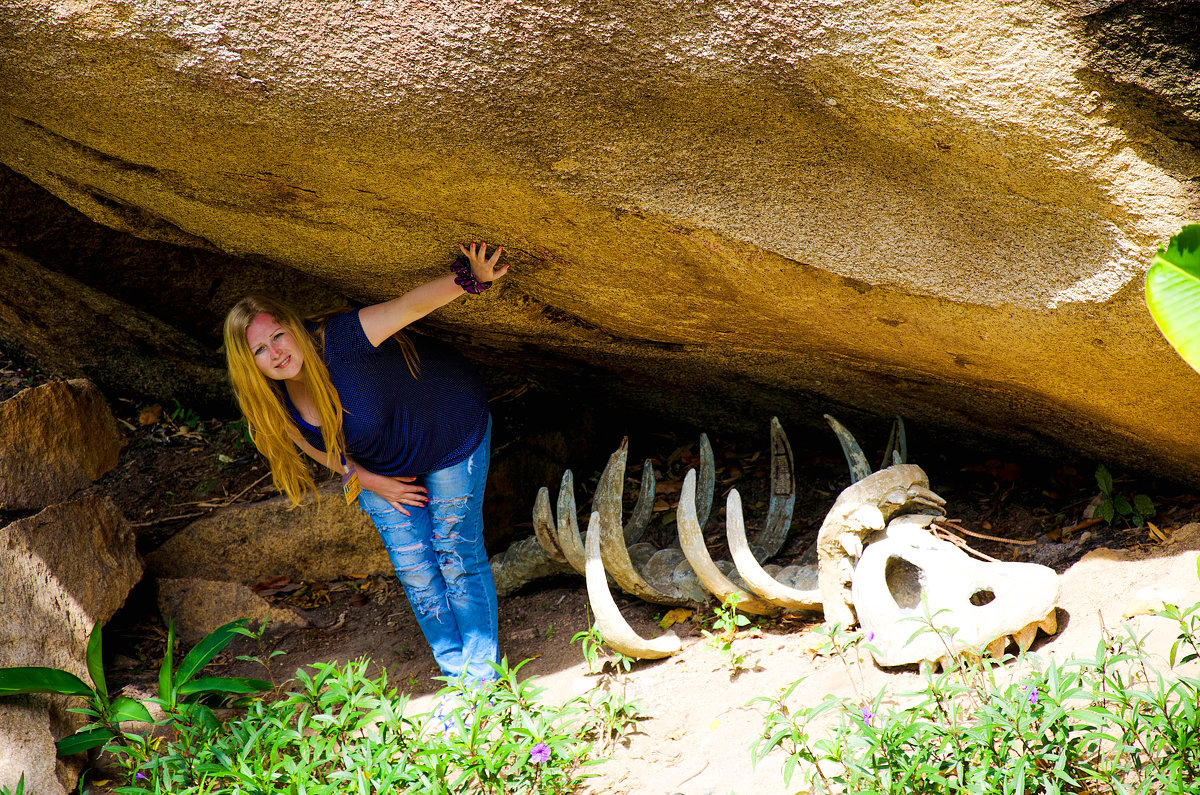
(466, 279)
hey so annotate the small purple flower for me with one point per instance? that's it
(868, 715)
(870, 637)
(139, 777)
(1033, 695)
(539, 754)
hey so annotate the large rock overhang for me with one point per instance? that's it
(939, 210)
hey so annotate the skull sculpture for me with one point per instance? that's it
(908, 575)
(896, 497)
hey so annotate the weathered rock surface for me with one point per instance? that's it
(61, 571)
(199, 606)
(54, 440)
(941, 210)
(74, 330)
(248, 543)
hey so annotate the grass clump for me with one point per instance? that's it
(339, 730)
(332, 730)
(1113, 724)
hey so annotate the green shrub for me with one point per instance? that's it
(1113, 724)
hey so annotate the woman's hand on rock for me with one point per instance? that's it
(483, 267)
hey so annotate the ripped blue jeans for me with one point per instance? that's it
(440, 559)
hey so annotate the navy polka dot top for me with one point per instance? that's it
(395, 424)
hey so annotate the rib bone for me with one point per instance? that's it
(613, 628)
(612, 537)
(644, 508)
(752, 573)
(859, 468)
(568, 543)
(707, 481)
(543, 525)
(692, 540)
(783, 497)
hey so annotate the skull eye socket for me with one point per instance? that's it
(982, 597)
(904, 582)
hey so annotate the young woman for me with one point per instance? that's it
(408, 423)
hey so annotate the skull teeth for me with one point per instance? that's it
(1024, 636)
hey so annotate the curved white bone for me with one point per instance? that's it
(543, 526)
(613, 627)
(692, 540)
(752, 573)
(567, 540)
(643, 508)
(859, 468)
(607, 501)
(707, 481)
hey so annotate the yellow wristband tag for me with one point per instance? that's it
(350, 484)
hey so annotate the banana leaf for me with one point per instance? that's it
(1173, 293)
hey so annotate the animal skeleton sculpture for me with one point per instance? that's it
(893, 506)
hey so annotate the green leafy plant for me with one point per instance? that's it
(1115, 504)
(239, 431)
(1173, 293)
(182, 417)
(592, 644)
(727, 621)
(339, 731)
(179, 689)
(20, 790)
(264, 657)
(1112, 724)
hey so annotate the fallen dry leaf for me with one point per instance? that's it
(676, 616)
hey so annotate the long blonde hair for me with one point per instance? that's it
(270, 426)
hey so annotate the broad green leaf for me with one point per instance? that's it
(165, 677)
(14, 681)
(82, 741)
(1105, 511)
(125, 708)
(95, 663)
(1173, 293)
(1144, 505)
(209, 684)
(1104, 479)
(206, 649)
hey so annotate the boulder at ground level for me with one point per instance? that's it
(54, 440)
(62, 571)
(248, 543)
(199, 606)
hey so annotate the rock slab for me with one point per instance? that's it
(199, 606)
(249, 543)
(55, 439)
(942, 211)
(62, 571)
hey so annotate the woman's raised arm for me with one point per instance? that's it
(380, 321)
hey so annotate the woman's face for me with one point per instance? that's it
(274, 348)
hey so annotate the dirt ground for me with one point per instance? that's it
(698, 728)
